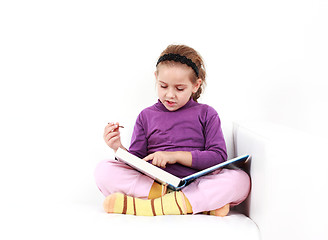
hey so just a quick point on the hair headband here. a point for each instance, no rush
(178, 58)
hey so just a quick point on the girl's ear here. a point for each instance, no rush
(197, 85)
(155, 74)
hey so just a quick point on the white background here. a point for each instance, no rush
(67, 68)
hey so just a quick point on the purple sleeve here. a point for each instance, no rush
(138, 146)
(215, 148)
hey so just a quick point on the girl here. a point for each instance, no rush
(179, 135)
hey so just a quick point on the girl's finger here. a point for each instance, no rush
(111, 129)
(162, 164)
(154, 161)
(112, 125)
(111, 135)
(109, 125)
(106, 132)
(113, 139)
(149, 157)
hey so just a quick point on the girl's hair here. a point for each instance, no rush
(195, 57)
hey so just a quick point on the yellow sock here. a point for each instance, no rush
(220, 212)
(173, 203)
(188, 205)
(157, 190)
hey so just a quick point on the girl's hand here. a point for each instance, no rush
(160, 158)
(112, 136)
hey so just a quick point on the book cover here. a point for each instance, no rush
(166, 178)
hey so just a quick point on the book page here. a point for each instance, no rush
(147, 168)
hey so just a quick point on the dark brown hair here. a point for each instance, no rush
(195, 57)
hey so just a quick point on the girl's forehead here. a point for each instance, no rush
(174, 80)
(175, 83)
(174, 73)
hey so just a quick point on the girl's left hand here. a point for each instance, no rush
(161, 158)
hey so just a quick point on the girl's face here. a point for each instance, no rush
(174, 87)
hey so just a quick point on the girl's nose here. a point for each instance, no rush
(170, 93)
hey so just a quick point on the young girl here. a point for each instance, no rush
(179, 135)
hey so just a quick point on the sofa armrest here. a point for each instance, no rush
(288, 180)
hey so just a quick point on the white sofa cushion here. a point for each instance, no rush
(96, 224)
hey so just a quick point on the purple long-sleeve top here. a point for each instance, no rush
(195, 128)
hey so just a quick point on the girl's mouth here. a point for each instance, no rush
(170, 103)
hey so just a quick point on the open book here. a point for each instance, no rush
(161, 176)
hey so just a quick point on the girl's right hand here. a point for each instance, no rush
(112, 136)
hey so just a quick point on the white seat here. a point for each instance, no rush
(234, 226)
(282, 204)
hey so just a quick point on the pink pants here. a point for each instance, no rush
(206, 193)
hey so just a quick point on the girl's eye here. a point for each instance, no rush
(162, 86)
(180, 89)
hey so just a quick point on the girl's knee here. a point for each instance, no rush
(243, 176)
(242, 179)
(113, 176)
(102, 168)
(109, 169)
(104, 174)
(242, 185)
